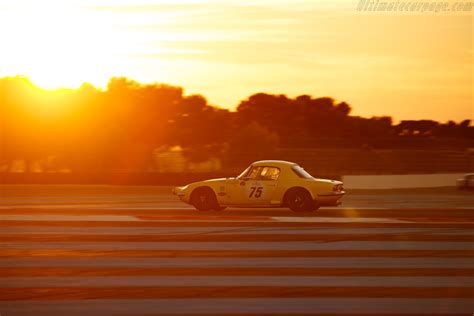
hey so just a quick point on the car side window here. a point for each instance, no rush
(269, 173)
(254, 173)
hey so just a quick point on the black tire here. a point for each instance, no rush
(299, 200)
(204, 199)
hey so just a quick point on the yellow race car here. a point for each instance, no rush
(267, 183)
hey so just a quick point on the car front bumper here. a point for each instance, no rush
(179, 192)
(330, 199)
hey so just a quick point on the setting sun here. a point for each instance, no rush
(63, 44)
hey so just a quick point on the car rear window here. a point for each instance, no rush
(300, 172)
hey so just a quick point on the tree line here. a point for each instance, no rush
(119, 127)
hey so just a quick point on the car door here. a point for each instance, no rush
(256, 188)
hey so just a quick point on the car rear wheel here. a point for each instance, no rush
(299, 200)
(204, 199)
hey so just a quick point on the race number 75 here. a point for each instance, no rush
(256, 192)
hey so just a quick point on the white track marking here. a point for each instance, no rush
(236, 246)
(203, 306)
(147, 231)
(337, 220)
(294, 281)
(242, 262)
(204, 219)
(69, 218)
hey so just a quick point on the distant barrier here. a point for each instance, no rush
(172, 179)
(145, 178)
(324, 163)
(401, 181)
(136, 178)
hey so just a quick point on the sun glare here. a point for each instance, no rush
(57, 44)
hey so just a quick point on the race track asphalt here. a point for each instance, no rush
(97, 250)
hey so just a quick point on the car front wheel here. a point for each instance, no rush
(204, 199)
(299, 200)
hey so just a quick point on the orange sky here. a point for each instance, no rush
(407, 65)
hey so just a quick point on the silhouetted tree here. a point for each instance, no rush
(253, 140)
(118, 128)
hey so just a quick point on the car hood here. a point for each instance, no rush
(328, 181)
(215, 180)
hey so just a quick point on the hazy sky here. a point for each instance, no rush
(407, 65)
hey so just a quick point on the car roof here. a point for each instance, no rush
(276, 163)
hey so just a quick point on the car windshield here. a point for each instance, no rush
(244, 173)
(300, 172)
